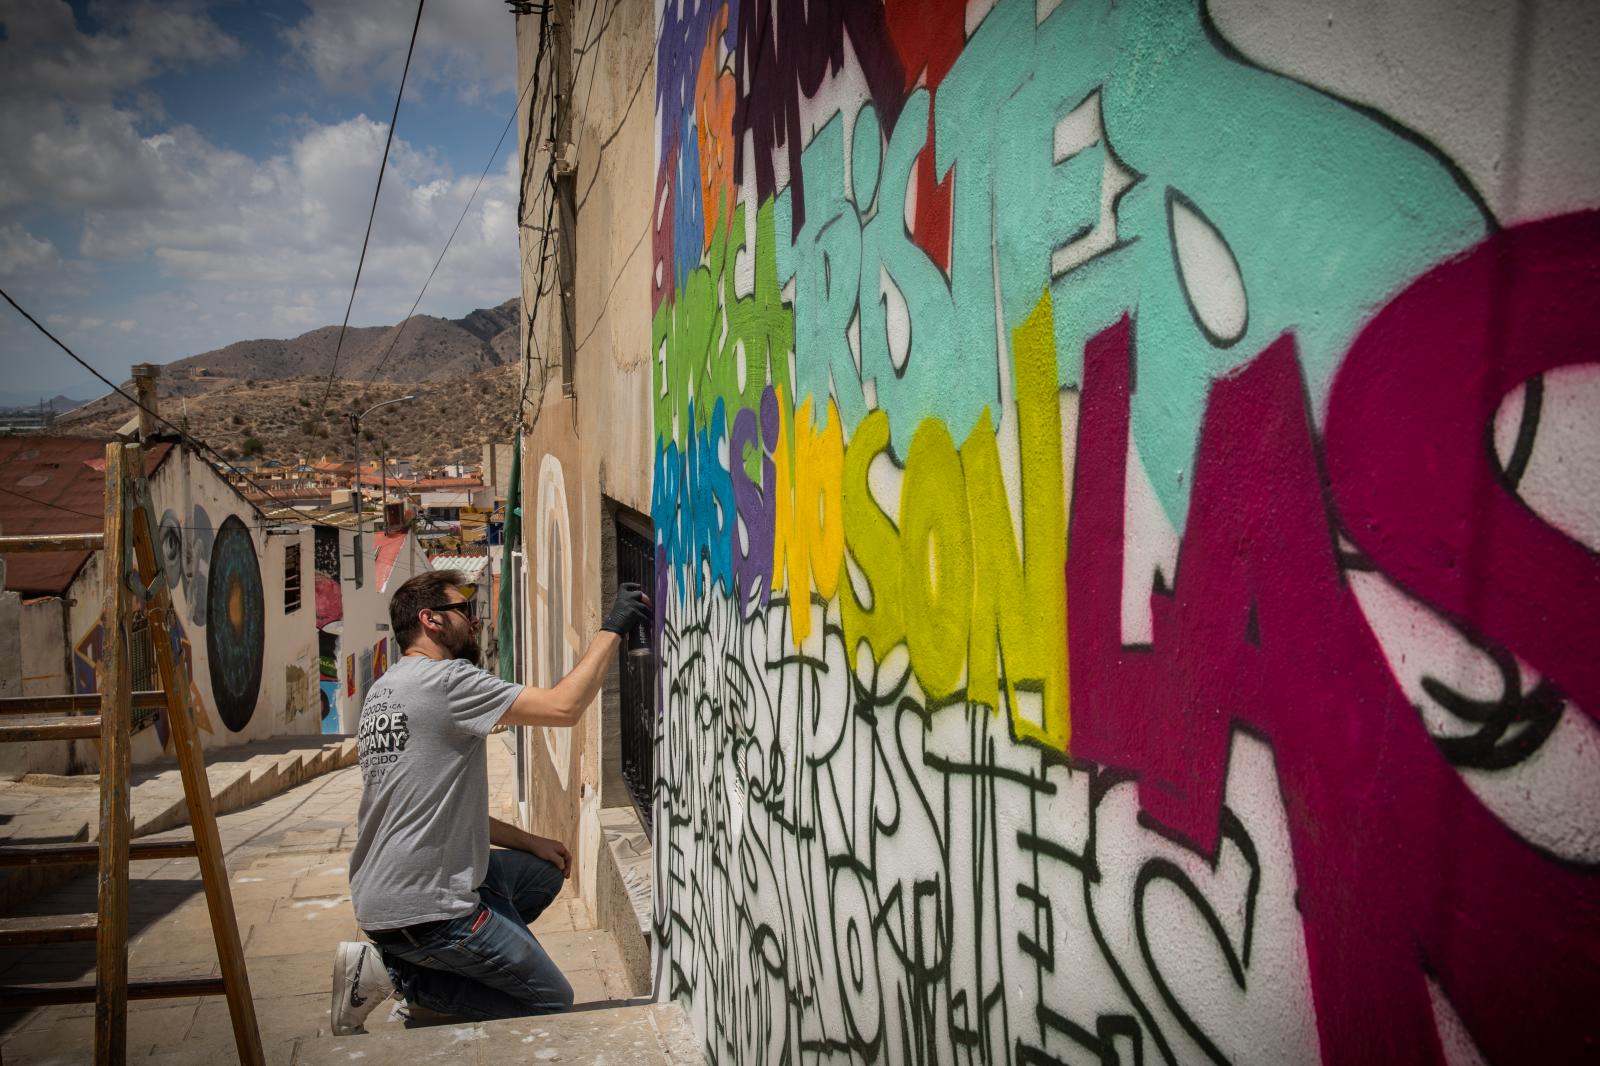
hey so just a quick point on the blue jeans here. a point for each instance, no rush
(485, 964)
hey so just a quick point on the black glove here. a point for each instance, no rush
(630, 608)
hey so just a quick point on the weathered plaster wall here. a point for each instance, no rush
(253, 665)
(42, 656)
(17, 761)
(589, 437)
(1127, 499)
(44, 665)
(560, 787)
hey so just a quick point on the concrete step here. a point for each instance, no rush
(67, 808)
(636, 1034)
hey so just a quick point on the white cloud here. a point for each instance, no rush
(46, 58)
(236, 247)
(21, 251)
(298, 218)
(73, 107)
(352, 45)
(278, 240)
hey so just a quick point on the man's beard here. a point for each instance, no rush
(467, 648)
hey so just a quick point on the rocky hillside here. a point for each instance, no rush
(446, 423)
(264, 396)
(424, 349)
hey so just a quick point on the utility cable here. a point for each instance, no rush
(182, 434)
(372, 213)
(515, 111)
(47, 503)
(522, 192)
(588, 54)
(539, 289)
(594, 73)
(84, 514)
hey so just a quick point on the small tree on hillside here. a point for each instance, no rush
(253, 446)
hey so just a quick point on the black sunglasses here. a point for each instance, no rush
(469, 606)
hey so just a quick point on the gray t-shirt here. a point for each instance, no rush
(422, 835)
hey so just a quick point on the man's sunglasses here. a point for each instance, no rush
(468, 606)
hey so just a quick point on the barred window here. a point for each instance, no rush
(145, 676)
(291, 578)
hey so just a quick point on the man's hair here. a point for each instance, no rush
(421, 593)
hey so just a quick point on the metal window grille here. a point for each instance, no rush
(142, 663)
(291, 578)
(637, 675)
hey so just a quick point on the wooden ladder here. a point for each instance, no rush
(132, 570)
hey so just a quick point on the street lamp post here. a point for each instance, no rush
(355, 431)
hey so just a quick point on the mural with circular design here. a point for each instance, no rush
(236, 611)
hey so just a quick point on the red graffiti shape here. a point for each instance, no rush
(929, 35)
(1402, 872)
(661, 280)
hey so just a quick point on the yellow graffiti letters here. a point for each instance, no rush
(951, 582)
(808, 523)
(1019, 606)
(874, 546)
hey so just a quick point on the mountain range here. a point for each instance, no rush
(422, 348)
(30, 401)
(267, 395)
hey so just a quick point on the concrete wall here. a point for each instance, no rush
(46, 667)
(11, 670)
(1128, 506)
(41, 657)
(588, 437)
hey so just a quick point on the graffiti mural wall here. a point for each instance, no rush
(1127, 524)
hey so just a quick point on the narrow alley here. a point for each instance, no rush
(287, 866)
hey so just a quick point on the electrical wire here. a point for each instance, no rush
(486, 168)
(529, 319)
(46, 503)
(588, 52)
(100, 518)
(182, 434)
(594, 74)
(372, 213)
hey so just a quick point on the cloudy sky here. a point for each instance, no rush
(181, 174)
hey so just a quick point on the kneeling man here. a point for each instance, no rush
(449, 915)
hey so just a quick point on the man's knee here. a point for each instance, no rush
(549, 874)
(560, 994)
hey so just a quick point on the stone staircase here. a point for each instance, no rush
(52, 807)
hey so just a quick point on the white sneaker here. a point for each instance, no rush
(360, 983)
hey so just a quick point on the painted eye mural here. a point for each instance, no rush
(236, 611)
(171, 545)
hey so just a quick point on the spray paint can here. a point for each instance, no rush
(639, 641)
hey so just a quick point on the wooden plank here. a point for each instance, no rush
(197, 793)
(53, 542)
(86, 727)
(69, 704)
(47, 929)
(87, 854)
(116, 684)
(25, 997)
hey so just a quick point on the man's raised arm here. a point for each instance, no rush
(563, 703)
